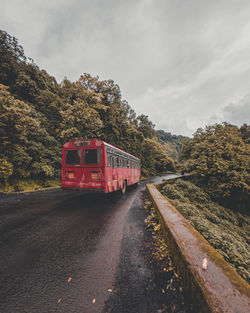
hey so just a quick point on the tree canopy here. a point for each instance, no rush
(219, 158)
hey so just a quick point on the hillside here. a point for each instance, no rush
(171, 142)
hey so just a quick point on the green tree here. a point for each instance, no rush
(6, 170)
(80, 121)
(155, 158)
(11, 54)
(146, 126)
(21, 137)
(219, 159)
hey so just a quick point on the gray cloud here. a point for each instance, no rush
(180, 62)
(237, 113)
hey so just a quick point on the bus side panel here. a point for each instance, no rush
(115, 178)
(120, 178)
(127, 175)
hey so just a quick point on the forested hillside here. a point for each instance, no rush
(38, 115)
(219, 158)
(171, 142)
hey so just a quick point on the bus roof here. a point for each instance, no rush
(94, 142)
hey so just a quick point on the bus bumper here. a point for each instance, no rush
(84, 189)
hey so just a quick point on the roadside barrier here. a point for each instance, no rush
(211, 285)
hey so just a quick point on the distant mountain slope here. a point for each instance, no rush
(171, 142)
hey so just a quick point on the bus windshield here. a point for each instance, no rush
(73, 157)
(92, 156)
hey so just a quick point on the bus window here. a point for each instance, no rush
(113, 161)
(73, 157)
(109, 161)
(92, 156)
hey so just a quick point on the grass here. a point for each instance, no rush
(26, 185)
(227, 231)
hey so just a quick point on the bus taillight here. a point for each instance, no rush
(69, 175)
(95, 175)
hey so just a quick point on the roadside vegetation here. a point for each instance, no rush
(227, 231)
(218, 157)
(26, 185)
(38, 115)
(215, 200)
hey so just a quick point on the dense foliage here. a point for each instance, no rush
(38, 115)
(219, 158)
(226, 231)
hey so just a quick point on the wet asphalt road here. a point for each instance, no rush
(64, 252)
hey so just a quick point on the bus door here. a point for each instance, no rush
(114, 173)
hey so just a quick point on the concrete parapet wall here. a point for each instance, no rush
(210, 283)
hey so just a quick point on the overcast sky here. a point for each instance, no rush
(184, 63)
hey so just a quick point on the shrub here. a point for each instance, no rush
(6, 170)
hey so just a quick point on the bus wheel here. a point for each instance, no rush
(124, 187)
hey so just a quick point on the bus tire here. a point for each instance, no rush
(124, 187)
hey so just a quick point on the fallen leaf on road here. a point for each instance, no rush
(109, 290)
(204, 264)
(69, 279)
(93, 301)
(60, 300)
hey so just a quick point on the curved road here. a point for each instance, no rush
(60, 251)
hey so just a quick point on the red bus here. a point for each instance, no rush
(92, 165)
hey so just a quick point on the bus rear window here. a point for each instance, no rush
(73, 157)
(92, 156)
